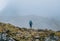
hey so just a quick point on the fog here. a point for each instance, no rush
(14, 9)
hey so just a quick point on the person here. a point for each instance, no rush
(30, 23)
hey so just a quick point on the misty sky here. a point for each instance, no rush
(12, 10)
(45, 8)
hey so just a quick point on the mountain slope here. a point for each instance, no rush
(38, 22)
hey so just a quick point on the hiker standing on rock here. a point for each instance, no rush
(30, 24)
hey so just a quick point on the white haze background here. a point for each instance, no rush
(43, 13)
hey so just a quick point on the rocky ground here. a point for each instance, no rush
(15, 33)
